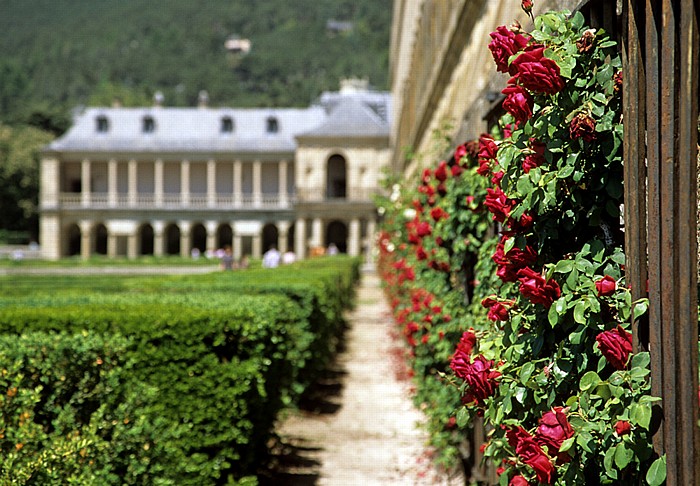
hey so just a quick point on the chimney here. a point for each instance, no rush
(158, 99)
(203, 100)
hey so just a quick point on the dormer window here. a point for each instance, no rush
(102, 124)
(226, 124)
(149, 124)
(272, 125)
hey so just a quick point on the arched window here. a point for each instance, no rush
(336, 181)
(272, 125)
(226, 124)
(102, 124)
(149, 124)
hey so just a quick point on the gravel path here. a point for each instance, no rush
(363, 429)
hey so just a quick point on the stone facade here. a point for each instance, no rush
(140, 181)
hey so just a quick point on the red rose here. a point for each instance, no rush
(420, 253)
(487, 152)
(623, 427)
(466, 343)
(456, 170)
(498, 204)
(536, 156)
(616, 346)
(423, 229)
(536, 72)
(582, 126)
(527, 5)
(531, 454)
(606, 286)
(554, 429)
(518, 480)
(518, 226)
(460, 152)
(518, 103)
(441, 171)
(534, 287)
(505, 43)
(497, 310)
(438, 213)
(479, 376)
(427, 175)
(516, 259)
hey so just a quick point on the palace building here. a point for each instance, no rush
(164, 181)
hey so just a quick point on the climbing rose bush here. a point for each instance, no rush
(516, 240)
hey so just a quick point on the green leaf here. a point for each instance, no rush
(564, 266)
(640, 308)
(580, 311)
(623, 455)
(656, 474)
(462, 417)
(589, 380)
(585, 440)
(553, 316)
(567, 444)
(510, 242)
(640, 414)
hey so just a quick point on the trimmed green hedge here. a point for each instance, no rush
(207, 363)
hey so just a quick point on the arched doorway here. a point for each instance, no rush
(146, 239)
(199, 237)
(101, 239)
(172, 239)
(269, 236)
(337, 233)
(336, 179)
(290, 237)
(224, 236)
(73, 238)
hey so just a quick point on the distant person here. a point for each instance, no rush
(332, 249)
(195, 253)
(244, 263)
(227, 259)
(288, 257)
(271, 258)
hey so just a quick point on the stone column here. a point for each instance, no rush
(211, 227)
(317, 232)
(211, 184)
(257, 246)
(85, 186)
(237, 182)
(158, 242)
(369, 239)
(50, 236)
(282, 232)
(112, 182)
(300, 238)
(111, 243)
(283, 165)
(257, 183)
(158, 182)
(132, 246)
(237, 244)
(185, 183)
(133, 178)
(185, 239)
(85, 238)
(354, 237)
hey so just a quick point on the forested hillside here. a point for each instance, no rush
(61, 53)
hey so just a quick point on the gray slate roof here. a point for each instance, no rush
(195, 130)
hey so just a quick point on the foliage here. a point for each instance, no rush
(210, 361)
(541, 310)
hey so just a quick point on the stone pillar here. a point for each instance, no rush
(85, 238)
(317, 232)
(132, 245)
(133, 178)
(158, 182)
(158, 242)
(300, 238)
(185, 239)
(354, 237)
(237, 244)
(211, 184)
(237, 182)
(369, 240)
(282, 232)
(283, 165)
(50, 236)
(257, 183)
(185, 183)
(111, 243)
(85, 186)
(257, 246)
(112, 183)
(211, 227)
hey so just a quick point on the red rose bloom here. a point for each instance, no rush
(534, 287)
(582, 126)
(505, 43)
(526, 5)
(487, 152)
(456, 170)
(441, 171)
(536, 157)
(616, 346)
(497, 310)
(423, 229)
(516, 259)
(466, 343)
(554, 429)
(518, 103)
(536, 72)
(606, 286)
(438, 213)
(479, 376)
(460, 152)
(420, 253)
(498, 204)
(531, 454)
(518, 480)
(623, 427)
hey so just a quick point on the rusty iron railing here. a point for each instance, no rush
(660, 55)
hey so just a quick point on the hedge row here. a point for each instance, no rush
(175, 381)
